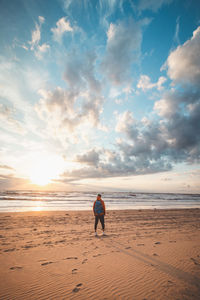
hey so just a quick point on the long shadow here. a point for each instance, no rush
(156, 263)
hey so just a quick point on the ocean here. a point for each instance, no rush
(21, 201)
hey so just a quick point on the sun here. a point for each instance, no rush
(40, 176)
(44, 169)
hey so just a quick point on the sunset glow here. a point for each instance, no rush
(44, 169)
(100, 93)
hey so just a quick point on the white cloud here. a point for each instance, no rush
(184, 62)
(9, 122)
(36, 35)
(145, 83)
(62, 26)
(124, 121)
(165, 107)
(176, 35)
(38, 50)
(63, 118)
(153, 5)
(41, 19)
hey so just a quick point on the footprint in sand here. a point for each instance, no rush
(128, 248)
(71, 257)
(157, 243)
(84, 261)
(77, 288)
(155, 254)
(46, 263)
(74, 271)
(97, 255)
(9, 250)
(16, 268)
(140, 244)
(195, 261)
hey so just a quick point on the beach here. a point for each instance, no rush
(145, 254)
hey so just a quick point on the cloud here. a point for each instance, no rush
(39, 50)
(113, 164)
(6, 167)
(122, 50)
(90, 158)
(147, 147)
(12, 182)
(62, 26)
(153, 5)
(80, 70)
(41, 19)
(9, 121)
(65, 116)
(36, 35)
(184, 62)
(176, 35)
(145, 83)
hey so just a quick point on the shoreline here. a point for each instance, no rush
(146, 254)
(107, 210)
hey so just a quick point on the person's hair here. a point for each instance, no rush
(99, 195)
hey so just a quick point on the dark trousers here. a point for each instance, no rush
(97, 218)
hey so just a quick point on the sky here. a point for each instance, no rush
(100, 95)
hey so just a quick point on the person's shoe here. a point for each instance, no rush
(103, 233)
(95, 234)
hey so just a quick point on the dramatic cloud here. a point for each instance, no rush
(184, 62)
(122, 50)
(62, 26)
(145, 83)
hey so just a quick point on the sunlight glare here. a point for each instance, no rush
(44, 169)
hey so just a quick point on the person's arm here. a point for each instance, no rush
(94, 206)
(104, 208)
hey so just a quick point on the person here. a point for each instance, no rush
(99, 212)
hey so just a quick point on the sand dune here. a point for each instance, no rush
(147, 254)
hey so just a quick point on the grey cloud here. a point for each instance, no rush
(79, 72)
(90, 158)
(107, 164)
(146, 149)
(10, 181)
(123, 49)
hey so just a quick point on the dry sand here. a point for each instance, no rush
(147, 254)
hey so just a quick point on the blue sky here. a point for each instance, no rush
(100, 95)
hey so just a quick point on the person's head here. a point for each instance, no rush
(98, 196)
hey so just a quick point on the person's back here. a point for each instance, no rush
(98, 207)
(99, 212)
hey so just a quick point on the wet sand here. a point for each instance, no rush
(145, 254)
